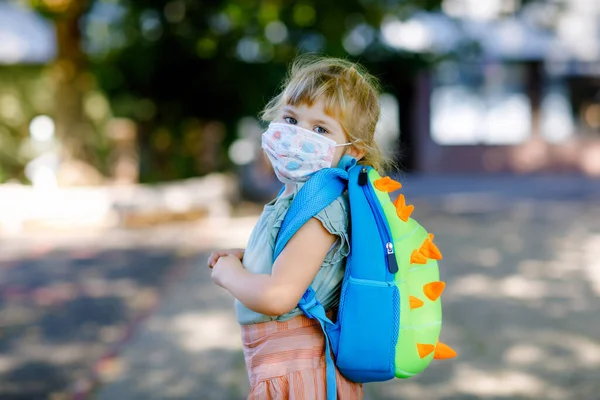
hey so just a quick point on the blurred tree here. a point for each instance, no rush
(176, 65)
(187, 70)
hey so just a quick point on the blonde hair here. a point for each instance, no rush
(350, 94)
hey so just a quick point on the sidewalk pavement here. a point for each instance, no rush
(70, 301)
(521, 305)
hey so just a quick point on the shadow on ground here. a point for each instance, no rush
(61, 310)
(190, 348)
(521, 308)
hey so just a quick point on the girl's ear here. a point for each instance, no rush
(357, 152)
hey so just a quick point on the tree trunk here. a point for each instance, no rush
(74, 131)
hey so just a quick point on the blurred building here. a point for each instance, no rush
(518, 90)
(527, 100)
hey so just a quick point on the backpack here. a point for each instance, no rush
(390, 314)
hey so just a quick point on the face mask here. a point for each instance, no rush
(297, 153)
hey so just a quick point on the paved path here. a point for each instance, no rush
(69, 302)
(522, 304)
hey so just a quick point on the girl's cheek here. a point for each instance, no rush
(337, 156)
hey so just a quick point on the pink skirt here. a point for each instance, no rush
(286, 360)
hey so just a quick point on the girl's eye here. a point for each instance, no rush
(290, 120)
(320, 130)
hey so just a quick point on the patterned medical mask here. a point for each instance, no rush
(297, 153)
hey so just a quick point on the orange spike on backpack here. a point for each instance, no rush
(387, 184)
(433, 290)
(443, 352)
(415, 302)
(402, 210)
(417, 258)
(430, 250)
(425, 349)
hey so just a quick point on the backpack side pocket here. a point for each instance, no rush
(369, 321)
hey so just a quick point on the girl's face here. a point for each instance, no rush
(314, 118)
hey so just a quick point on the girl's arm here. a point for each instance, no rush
(292, 274)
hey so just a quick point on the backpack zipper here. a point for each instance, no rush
(384, 232)
(369, 282)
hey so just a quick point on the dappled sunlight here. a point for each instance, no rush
(522, 354)
(478, 285)
(558, 350)
(7, 363)
(410, 390)
(516, 286)
(203, 331)
(535, 268)
(63, 310)
(520, 307)
(486, 383)
(488, 257)
(57, 354)
(473, 381)
(591, 261)
(190, 345)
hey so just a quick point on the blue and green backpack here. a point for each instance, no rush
(390, 312)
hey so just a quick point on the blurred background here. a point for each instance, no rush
(130, 149)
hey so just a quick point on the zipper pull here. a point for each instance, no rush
(391, 258)
(363, 177)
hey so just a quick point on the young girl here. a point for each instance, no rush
(327, 109)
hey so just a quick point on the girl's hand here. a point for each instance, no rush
(296, 267)
(214, 256)
(225, 267)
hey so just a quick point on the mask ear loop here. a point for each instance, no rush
(346, 144)
(345, 152)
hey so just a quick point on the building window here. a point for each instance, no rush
(557, 122)
(387, 131)
(475, 104)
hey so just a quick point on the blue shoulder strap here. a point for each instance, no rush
(317, 193)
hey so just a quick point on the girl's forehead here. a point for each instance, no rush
(318, 106)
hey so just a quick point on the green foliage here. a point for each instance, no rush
(177, 66)
(23, 95)
(166, 63)
(27, 91)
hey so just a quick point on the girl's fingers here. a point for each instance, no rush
(212, 260)
(239, 253)
(215, 255)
